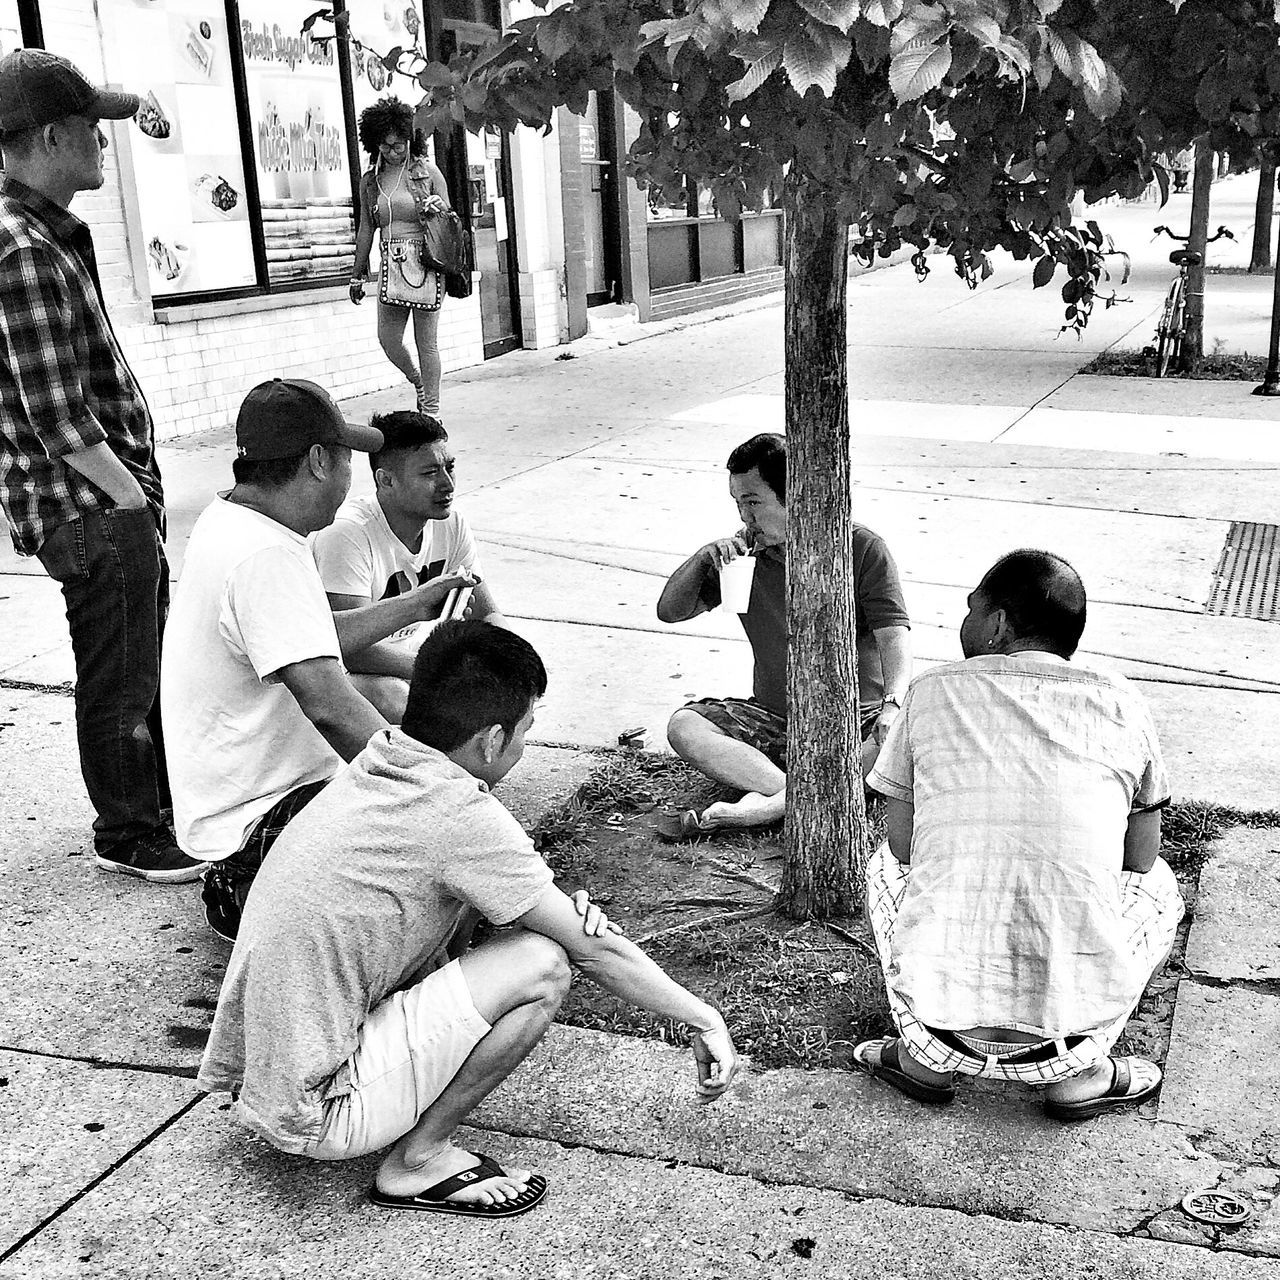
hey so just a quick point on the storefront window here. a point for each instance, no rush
(299, 137)
(379, 29)
(10, 27)
(186, 146)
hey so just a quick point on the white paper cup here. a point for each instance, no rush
(735, 583)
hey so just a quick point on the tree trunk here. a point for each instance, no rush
(1201, 187)
(1260, 258)
(826, 826)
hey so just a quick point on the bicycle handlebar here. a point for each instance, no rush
(1173, 235)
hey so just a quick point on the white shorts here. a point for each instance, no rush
(411, 1046)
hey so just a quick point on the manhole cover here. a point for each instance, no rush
(1246, 583)
(1220, 1208)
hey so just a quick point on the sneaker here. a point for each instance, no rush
(221, 909)
(152, 857)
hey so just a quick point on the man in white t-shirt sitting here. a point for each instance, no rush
(408, 533)
(354, 1015)
(257, 710)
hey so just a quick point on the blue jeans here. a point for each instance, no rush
(115, 581)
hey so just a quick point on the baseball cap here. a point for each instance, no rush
(38, 87)
(283, 418)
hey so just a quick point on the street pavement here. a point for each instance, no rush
(588, 473)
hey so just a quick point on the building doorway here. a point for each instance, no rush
(489, 187)
(598, 150)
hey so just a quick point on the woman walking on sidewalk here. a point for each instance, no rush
(398, 191)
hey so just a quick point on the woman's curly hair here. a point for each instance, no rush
(390, 116)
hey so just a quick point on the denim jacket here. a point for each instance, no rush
(423, 178)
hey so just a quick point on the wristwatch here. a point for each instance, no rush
(890, 702)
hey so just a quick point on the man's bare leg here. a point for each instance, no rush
(517, 982)
(737, 764)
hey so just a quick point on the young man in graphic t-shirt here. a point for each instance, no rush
(407, 534)
(258, 711)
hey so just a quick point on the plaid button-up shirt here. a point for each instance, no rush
(64, 382)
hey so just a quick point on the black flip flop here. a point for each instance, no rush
(889, 1069)
(433, 1199)
(1116, 1097)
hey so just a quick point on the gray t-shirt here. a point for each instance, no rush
(358, 898)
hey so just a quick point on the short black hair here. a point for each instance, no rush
(21, 142)
(1041, 595)
(767, 454)
(270, 473)
(467, 676)
(403, 430)
(385, 117)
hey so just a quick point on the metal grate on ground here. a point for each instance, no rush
(1246, 583)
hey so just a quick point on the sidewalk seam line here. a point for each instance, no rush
(96, 1182)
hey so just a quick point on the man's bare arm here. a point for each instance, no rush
(330, 701)
(900, 819)
(1142, 841)
(363, 623)
(620, 967)
(101, 467)
(681, 598)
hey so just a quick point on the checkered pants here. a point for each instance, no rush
(1151, 908)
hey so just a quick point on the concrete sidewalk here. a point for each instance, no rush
(587, 480)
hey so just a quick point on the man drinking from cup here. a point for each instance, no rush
(742, 742)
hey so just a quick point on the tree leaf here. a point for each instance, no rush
(807, 64)
(841, 14)
(1059, 52)
(746, 15)
(882, 13)
(556, 34)
(1043, 272)
(918, 69)
(757, 73)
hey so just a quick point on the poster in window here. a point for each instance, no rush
(10, 27)
(299, 143)
(379, 28)
(185, 140)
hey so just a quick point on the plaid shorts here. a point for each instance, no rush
(1150, 907)
(227, 883)
(746, 720)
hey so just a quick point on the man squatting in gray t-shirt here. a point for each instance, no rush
(353, 1014)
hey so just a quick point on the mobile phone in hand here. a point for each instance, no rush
(455, 603)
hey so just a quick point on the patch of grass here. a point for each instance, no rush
(1142, 364)
(795, 994)
(1188, 829)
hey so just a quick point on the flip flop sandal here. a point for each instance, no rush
(433, 1199)
(677, 827)
(1117, 1097)
(889, 1069)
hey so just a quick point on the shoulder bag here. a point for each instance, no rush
(408, 280)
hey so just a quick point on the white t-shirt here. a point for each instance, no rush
(359, 555)
(249, 602)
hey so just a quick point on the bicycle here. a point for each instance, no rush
(1173, 320)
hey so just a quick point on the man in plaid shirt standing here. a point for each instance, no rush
(78, 476)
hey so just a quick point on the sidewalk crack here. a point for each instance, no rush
(49, 1219)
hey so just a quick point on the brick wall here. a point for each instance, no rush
(196, 372)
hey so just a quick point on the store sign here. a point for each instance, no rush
(299, 142)
(186, 145)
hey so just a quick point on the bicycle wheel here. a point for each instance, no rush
(1169, 332)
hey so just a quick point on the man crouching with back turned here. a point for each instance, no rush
(395, 1029)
